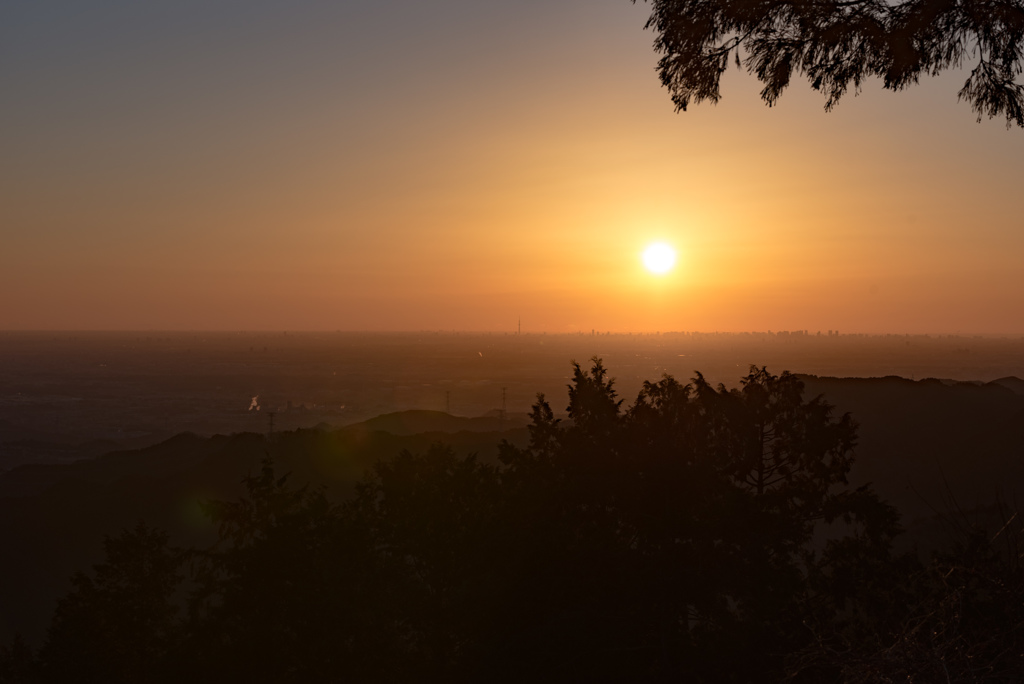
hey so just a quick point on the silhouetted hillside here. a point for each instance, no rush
(52, 516)
(1012, 383)
(923, 443)
(416, 422)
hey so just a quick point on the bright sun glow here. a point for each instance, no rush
(659, 258)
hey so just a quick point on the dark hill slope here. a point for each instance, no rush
(923, 442)
(1012, 383)
(53, 517)
(418, 422)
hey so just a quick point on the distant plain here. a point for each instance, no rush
(66, 395)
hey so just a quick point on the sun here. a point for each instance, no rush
(659, 258)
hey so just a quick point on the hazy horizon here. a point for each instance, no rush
(502, 331)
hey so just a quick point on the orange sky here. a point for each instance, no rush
(272, 165)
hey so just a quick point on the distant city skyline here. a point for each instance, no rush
(458, 165)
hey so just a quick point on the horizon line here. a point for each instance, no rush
(804, 332)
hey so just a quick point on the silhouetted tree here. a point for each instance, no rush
(680, 536)
(432, 519)
(17, 663)
(960, 620)
(118, 625)
(288, 592)
(838, 44)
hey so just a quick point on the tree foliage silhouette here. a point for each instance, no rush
(119, 624)
(838, 44)
(699, 505)
(961, 619)
(17, 663)
(288, 592)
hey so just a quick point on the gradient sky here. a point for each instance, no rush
(457, 164)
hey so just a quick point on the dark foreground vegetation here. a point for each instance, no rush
(700, 535)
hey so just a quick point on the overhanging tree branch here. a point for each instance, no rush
(837, 45)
